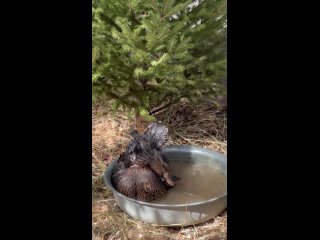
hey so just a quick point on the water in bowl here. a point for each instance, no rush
(198, 182)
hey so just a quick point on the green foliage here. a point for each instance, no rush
(147, 52)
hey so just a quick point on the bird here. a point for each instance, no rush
(142, 171)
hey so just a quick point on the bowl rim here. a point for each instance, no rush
(109, 184)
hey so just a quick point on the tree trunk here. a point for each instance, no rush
(141, 123)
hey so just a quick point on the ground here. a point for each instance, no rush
(202, 125)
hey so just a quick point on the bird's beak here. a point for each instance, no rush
(168, 179)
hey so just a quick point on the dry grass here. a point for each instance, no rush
(203, 125)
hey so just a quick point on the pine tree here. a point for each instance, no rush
(152, 52)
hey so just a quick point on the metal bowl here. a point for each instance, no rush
(177, 214)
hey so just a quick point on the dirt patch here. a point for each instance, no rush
(203, 125)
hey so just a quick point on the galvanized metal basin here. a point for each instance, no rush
(177, 214)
